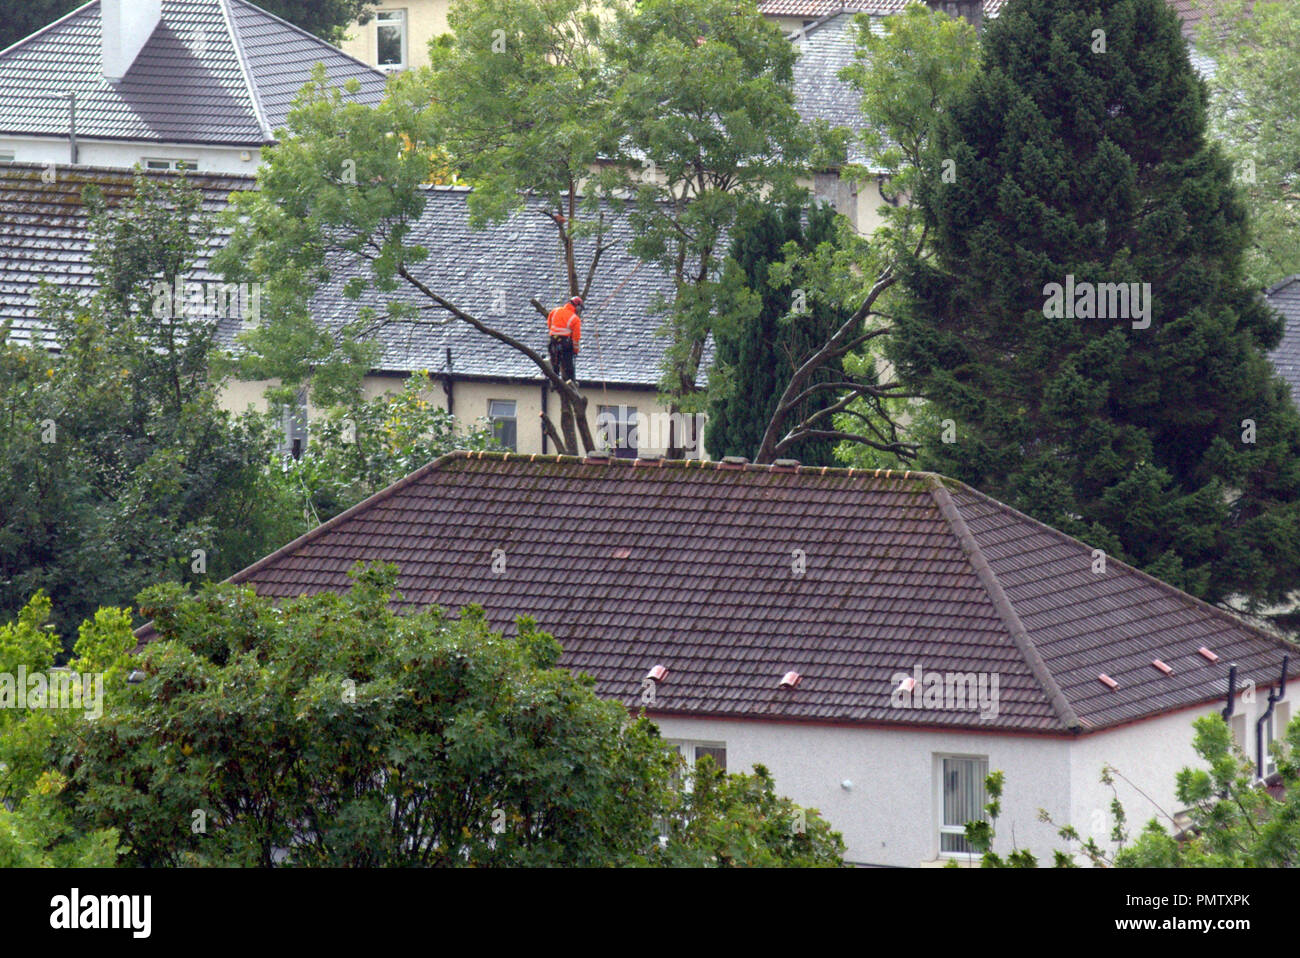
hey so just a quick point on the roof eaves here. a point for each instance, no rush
(255, 97)
(47, 28)
(1282, 284)
(1002, 604)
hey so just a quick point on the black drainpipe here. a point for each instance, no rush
(1273, 696)
(546, 390)
(447, 386)
(1232, 692)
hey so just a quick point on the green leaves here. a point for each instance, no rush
(1129, 428)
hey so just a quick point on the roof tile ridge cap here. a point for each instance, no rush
(50, 26)
(236, 41)
(307, 33)
(1002, 604)
(1185, 597)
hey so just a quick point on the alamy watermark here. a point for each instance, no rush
(947, 691)
(59, 689)
(187, 299)
(620, 428)
(1098, 301)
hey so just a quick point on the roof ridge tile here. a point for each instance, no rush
(1003, 606)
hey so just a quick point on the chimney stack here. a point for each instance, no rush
(970, 10)
(125, 27)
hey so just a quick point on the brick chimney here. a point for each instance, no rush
(125, 27)
(970, 10)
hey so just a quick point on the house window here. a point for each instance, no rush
(616, 426)
(692, 752)
(390, 39)
(961, 800)
(293, 422)
(159, 163)
(1237, 726)
(502, 414)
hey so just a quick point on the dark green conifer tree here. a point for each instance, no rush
(761, 353)
(1079, 156)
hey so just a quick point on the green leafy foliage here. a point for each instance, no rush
(332, 731)
(738, 821)
(1173, 445)
(37, 829)
(1230, 820)
(704, 111)
(117, 461)
(356, 451)
(1254, 86)
(755, 356)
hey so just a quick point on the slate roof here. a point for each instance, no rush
(43, 233)
(825, 48)
(1285, 298)
(214, 72)
(492, 273)
(689, 565)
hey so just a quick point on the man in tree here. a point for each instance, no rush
(1077, 158)
(565, 326)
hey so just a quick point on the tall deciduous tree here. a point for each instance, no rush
(118, 467)
(1255, 86)
(705, 111)
(1143, 418)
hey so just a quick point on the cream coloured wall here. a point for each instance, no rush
(470, 400)
(425, 19)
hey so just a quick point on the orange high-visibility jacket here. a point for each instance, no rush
(565, 321)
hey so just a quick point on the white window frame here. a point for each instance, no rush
(1275, 728)
(626, 421)
(492, 419)
(687, 748)
(401, 20)
(171, 164)
(940, 828)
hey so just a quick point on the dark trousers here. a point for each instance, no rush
(561, 354)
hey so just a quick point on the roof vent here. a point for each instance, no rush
(785, 465)
(596, 459)
(646, 460)
(621, 553)
(657, 674)
(790, 680)
(1209, 656)
(733, 462)
(1162, 667)
(1107, 681)
(907, 684)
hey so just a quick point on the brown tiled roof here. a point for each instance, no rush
(689, 565)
